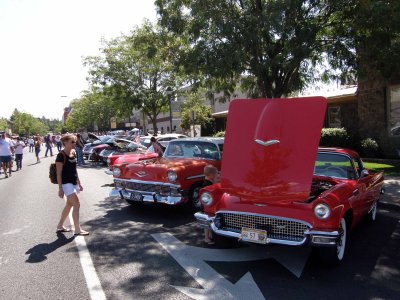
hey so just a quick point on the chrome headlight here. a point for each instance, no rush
(322, 211)
(172, 176)
(207, 198)
(117, 172)
(108, 161)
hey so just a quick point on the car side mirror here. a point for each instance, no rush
(364, 173)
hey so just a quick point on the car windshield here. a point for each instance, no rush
(145, 142)
(134, 147)
(334, 165)
(192, 149)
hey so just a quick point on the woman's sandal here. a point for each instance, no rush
(59, 230)
(82, 232)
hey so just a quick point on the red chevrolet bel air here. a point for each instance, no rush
(280, 188)
(173, 179)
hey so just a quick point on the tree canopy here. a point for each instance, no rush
(194, 110)
(276, 47)
(92, 108)
(137, 70)
(25, 124)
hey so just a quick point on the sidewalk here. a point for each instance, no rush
(391, 199)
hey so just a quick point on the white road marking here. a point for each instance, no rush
(92, 280)
(215, 286)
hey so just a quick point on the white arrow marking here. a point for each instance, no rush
(215, 286)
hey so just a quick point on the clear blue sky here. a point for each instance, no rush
(43, 42)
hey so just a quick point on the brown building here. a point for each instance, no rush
(371, 110)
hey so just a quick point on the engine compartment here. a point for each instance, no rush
(319, 185)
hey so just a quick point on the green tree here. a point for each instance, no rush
(275, 45)
(93, 107)
(25, 124)
(371, 31)
(3, 124)
(136, 70)
(194, 110)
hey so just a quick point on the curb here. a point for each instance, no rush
(389, 206)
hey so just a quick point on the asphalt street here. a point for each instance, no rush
(156, 252)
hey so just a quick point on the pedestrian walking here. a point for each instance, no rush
(6, 152)
(31, 144)
(19, 151)
(38, 145)
(58, 142)
(69, 184)
(79, 150)
(49, 145)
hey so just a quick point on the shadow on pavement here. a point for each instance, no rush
(121, 238)
(392, 191)
(39, 252)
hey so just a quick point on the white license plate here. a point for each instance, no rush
(136, 197)
(254, 235)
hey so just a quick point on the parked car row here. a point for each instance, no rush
(277, 186)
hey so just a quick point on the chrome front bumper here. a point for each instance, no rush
(315, 238)
(152, 194)
(147, 197)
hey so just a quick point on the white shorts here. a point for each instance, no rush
(70, 188)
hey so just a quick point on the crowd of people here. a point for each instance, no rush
(12, 149)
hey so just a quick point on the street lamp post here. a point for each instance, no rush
(169, 92)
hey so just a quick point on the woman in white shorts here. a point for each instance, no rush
(69, 184)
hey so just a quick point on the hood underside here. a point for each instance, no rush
(270, 150)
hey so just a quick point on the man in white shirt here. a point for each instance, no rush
(31, 143)
(19, 151)
(6, 151)
(58, 142)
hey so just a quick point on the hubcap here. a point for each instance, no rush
(373, 211)
(195, 198)
(341, 244)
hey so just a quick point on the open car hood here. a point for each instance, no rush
(93, 136)
(270, 148)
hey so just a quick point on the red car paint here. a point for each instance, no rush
(268, 185)
(150, 180)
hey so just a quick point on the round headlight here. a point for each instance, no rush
(206, 198)
(116, 172)
(172, 176)
(322, 211)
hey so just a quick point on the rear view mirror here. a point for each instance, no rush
(364, 173)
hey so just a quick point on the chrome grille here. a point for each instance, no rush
(279, 229)
(147, 187)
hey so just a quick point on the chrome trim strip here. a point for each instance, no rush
(267, 143)
(147, 182)
(323, 233)
(195, 176)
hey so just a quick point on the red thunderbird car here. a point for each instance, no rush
(280, 188)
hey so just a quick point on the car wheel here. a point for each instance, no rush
(372, 213)
(334, 255)
(194, 203)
